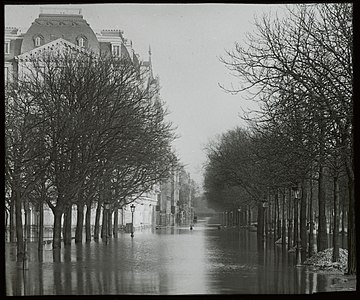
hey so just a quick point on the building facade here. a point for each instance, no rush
(168, 201)
(55, 27)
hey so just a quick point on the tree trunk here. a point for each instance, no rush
(243, 220)
(336, 246)
(97, 221)
(116, 221)
(57, 228)
(19, 227)
(88, 221)
(26, 233)
(351, 229)
(322, 231)
(249, 217)
(64, 233)
(41, 231)
(296, 221)
(343, 218)
(266, 220)
(290, 225)
(67, 226)
(303, 235)
(275, 218)
(103, 224)
(278, 216)
(27, 218)
(311, 222)
(260, 221)
(270, 218)
(283, 231)
(12, 218)
(246, 217)
(79, 223)
(109, 225)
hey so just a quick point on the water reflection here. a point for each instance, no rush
(166, 261)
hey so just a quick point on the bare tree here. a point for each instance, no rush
(303, 63)
(96, 118)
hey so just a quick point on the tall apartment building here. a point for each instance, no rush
(168, 201)
(55, 28)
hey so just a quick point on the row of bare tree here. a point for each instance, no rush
(81, 130)
(299, 69)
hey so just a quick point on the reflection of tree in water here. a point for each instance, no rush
(210, 261)
(57, 268)
(88, 271)
(40, 279)
(276, 269)
(260, 262)
(67, 272)
(322, 282)
(80, 269)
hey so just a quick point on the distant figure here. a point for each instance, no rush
(191, 227)
(219, 227)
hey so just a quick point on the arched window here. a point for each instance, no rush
(37, 41)
(116, 50)
(81, 41)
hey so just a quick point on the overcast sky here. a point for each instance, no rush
(186, 42)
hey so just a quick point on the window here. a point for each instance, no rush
(6, 73)
(7, 47)
(81, 42)
(116, 50)
(37, 41)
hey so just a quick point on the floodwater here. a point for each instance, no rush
(167, 261)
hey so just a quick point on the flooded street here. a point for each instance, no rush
(177, 260)
(126, 124)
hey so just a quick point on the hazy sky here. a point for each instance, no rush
(186, 42)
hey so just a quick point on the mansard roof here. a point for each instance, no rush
(54, 45)
(54, 26)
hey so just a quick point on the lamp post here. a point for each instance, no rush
(239, 219)
(132, 208)
(298, 241)
(106, 208)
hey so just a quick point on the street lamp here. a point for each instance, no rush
(106, 208)
(132, 208)
(298, 241)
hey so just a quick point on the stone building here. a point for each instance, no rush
(186, 195)
(56, 27)
(168, 201)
